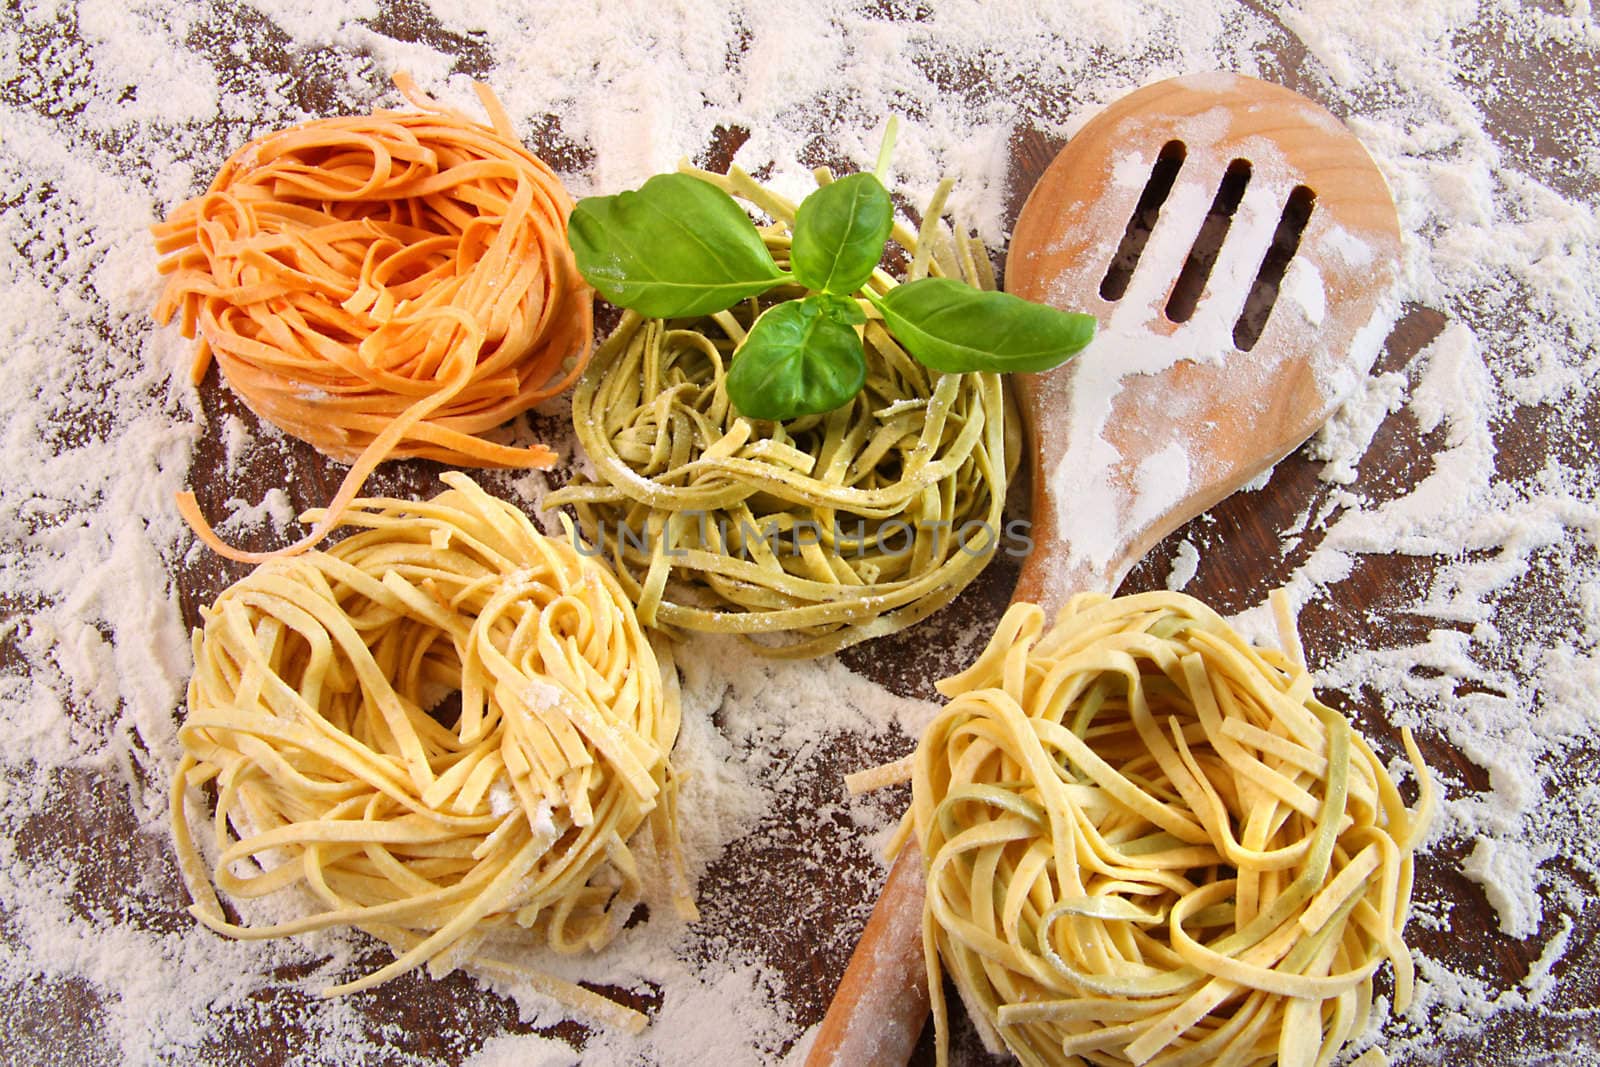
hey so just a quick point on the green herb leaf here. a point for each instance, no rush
(955, 328)
(841, 309)
(678, 246)
(797, 360)
(839, 233)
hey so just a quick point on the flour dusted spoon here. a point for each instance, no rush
(1240, 250)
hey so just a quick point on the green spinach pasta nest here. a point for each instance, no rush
(820, 531)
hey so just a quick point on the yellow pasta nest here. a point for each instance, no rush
(1148, 842)
(828, 529)
(444, 727)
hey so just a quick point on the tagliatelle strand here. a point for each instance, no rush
(381, 286)
(1067, 898)
(317, 709)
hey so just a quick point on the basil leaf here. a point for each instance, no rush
(839, 233)
(844, 310)
(678, 246)
(952, 327)
(796, 360)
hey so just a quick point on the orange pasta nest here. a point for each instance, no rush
(384, 285)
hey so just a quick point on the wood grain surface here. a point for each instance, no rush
(753, 895)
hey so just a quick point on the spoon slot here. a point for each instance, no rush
(1163, 173)
(1264, 292)
(1208, 242)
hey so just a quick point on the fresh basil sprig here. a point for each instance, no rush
(680, 246)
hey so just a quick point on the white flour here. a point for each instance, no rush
(112, 112)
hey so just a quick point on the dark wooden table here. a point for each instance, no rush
(794, 892)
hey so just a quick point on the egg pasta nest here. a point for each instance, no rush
(827, 529)
(445, 727)
(1147, 842)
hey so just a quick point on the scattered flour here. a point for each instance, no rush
(1509, 873)
(1185, 565)
(274, 509)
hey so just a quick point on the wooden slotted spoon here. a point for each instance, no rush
(1206, 370)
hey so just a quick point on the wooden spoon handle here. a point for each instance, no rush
(878, 1012)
